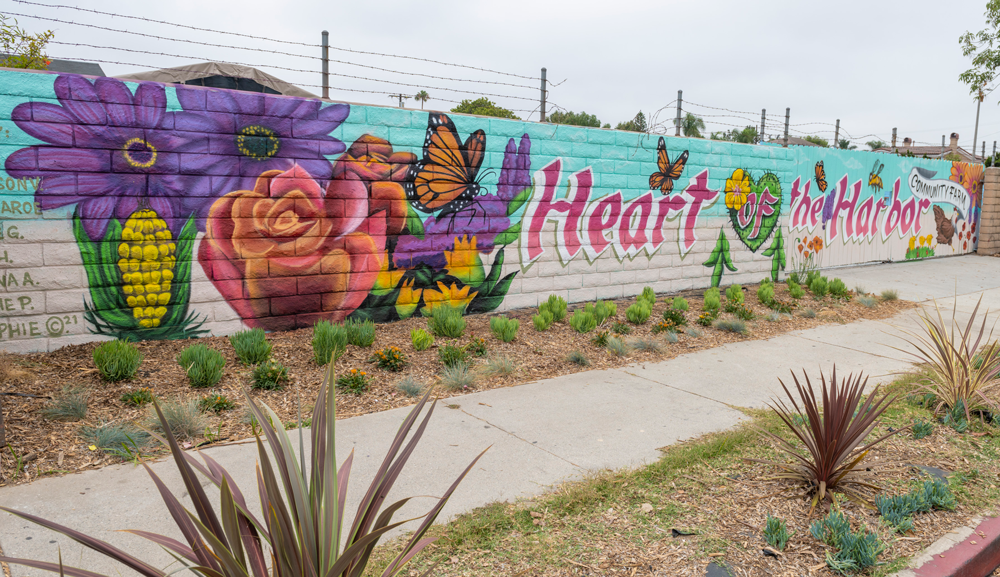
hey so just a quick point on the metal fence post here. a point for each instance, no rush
(326, 64)
(680, 104)
(543, 96)
(788, 112)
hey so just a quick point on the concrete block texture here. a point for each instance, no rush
(274, 211)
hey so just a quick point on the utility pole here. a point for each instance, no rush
(400, 97)
(836, 135)
(894, 140)
(984, 151)
(975, 135)
(326, 64)
(994, 148)
(788, 113)
(680, 104)
(763, 117)
(543, 96)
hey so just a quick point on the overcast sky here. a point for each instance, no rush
(874, 65)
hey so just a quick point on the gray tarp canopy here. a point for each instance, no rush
(182, 74)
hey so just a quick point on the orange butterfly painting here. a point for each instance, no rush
(446, 179)
(668, 171)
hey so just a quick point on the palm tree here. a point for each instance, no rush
(422, 97)
(692, 125)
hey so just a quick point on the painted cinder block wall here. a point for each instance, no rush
(153, 211)
(989, 243)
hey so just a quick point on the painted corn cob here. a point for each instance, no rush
(147, 261)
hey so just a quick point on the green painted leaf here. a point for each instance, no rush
(508, 236)
(519, 200)
(414, 225)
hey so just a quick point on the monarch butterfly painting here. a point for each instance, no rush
(820, 176)
(446, 179)
(874, 180)
(668, 171)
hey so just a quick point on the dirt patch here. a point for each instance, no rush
(56, 448)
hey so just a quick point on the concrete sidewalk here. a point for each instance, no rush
(541, 433)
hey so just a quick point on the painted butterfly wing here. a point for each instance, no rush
(446, 176)
(820, 176)
(668, 171)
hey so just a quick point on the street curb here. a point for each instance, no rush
(963, 552)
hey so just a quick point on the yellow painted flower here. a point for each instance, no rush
(408, 299)
(737, 188)
(451, 296)
(913, 242)
(387, 279)
(464, 262)
(930, 238)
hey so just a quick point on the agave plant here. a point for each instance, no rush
(832, 435)
(302, 532)
(952, 354)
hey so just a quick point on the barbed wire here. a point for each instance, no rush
(428, 60)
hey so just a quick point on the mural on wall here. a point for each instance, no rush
(192, 209)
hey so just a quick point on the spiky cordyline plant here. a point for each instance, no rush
(303, 527)
(952, 354)
(831, 434)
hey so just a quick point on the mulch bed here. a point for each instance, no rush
(43, 447)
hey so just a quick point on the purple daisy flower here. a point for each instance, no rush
(484, 219)
(105, 150)
(249, 134)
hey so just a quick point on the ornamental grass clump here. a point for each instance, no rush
(671, 337)
(203, 365)
(505, 328)
(68, 405)
(582, 321)
(329, 342)
(578, 358)
(409, 386)
(832, 434)
(649, 345)
(251, 346)
(120, 440)
(182, 419)
(269, 376)
(458, 377)
(867, 301)
(638, 313)
(421, 339)
(231, 540)
(360, 333)
(117, 360)
(889, 295)
(731, 325)
(953, 353)
(451, 355)
(617, 347)
(499, 365)
(446, 322)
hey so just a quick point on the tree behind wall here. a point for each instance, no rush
(692, 125)
(746, 136)
(818, 141)
(845, 144)
(574, 118)
(637, 124)
(19, 49)
(484, 107)
(984, 48)
(875, 144)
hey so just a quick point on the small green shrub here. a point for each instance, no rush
(556, 305)
(855, 551)
(119, 440)
(389, 358)
(138, 397)
(706, 318)
(68, 405)
(620, 328)
(712, 300)
(734, 294)
(617, 347)
(582, 322)
(360, 333)
(542, 321)
(600, 339)
(649, 345)
(837, 288)
(446, 322)
(922, 429)
(693, 332)
(664, 327)
(867, 301)
(409, 386)
(117, 360)
(215, 403)
(329, 342)
(955, 417)
(889, 295)
(450, 355)
(184, 419)
(476, 347)
(354, 381)
(765, 293)
(422, 340)
(499, 365)
(578, 358)
(269, 375)
(505, 328)
(251, 346)
(776, 533)
(743, 312)
(638, 313)
(733, 326)
(794, 278)
(681, 303)
(675, 316)
(458, 377)
(898, 510)
(203, 365)
(603, 310)
(795, 291)
(648, 295)
(807, 313)
(819, 287)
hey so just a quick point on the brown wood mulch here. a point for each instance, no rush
(40, 447)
